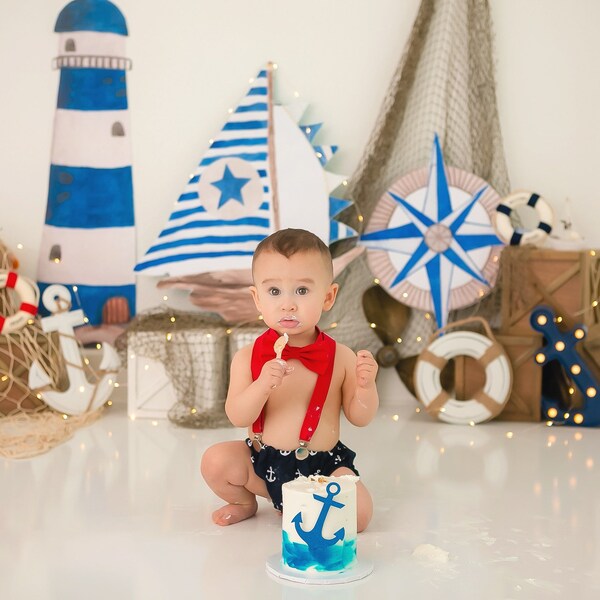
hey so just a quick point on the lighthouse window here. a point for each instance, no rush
(55, 253)
(70, 45)
(62, 197)
(107, 81)
(117, 129)
(65, 178)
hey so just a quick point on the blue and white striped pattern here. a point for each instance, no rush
(92, 89)
(88, 238)
(197, 240)
(337, 205)
(340, 231)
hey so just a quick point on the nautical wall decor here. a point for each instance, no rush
(262, 172)
(21, 338)
(486, 402)
(561, 346)
(567, 281)
(29, 296)
(88, 240)
(430, 239)
(82, 395)
(507, 219)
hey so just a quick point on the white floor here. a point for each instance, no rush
(120, 512)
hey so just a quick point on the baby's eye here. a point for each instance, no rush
(274, 291)
(302, 291)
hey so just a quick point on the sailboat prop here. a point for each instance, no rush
(260, 174)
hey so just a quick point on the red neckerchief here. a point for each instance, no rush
(318, 357)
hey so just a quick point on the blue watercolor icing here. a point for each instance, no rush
(330, 558)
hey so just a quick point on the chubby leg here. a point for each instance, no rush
(364, 503)
(227, 470)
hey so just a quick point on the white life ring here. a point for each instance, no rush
(487, 402)
(29, 295)
(504, 224)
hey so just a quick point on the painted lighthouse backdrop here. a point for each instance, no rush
(88, 240)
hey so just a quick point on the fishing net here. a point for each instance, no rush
(27, 426)
(26, 435)
(195, 350)
(444, 84)
(18, 349)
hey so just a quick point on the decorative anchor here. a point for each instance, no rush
(81, 396)
(561, 346)
(314, 538)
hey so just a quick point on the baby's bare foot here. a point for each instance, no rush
(234, 513)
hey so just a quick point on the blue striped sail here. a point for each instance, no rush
(228, 204)
(225, 209)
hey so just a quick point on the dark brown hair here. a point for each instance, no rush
(288, 242)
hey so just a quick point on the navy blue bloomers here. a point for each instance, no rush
(276, 467)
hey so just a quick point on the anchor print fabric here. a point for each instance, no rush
(277, 467)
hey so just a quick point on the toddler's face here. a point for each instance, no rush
(291, 293)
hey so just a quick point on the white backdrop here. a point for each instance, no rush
(192, 60)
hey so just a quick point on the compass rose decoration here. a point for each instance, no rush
(430, 241)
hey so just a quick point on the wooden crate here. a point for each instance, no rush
(524, 403)
(568, 281)
(152, 389)
(591, 348)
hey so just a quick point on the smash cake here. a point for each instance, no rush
(319, 531)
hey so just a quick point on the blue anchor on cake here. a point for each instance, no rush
(314, 537)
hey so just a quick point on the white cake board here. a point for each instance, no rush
(359, 570)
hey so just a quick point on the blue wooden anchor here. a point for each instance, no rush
(561, 346)
(314, 538)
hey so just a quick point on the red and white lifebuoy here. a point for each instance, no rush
(29, 295)
(504, 222)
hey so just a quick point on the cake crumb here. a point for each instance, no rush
(431, 553)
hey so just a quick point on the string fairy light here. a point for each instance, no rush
(561, 346)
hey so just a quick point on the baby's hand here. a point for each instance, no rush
(366, 369)
(273, 372)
